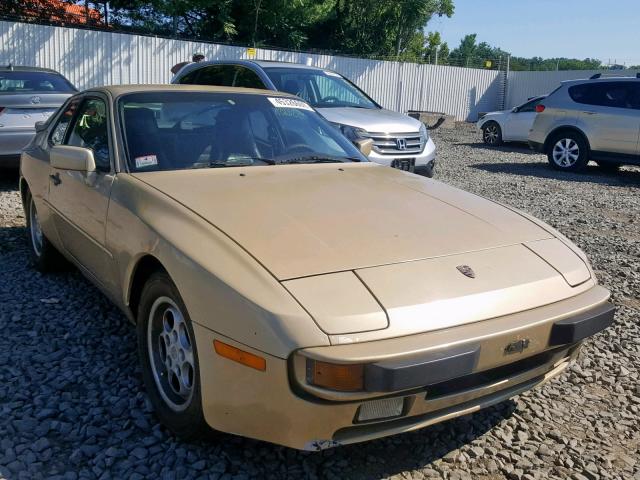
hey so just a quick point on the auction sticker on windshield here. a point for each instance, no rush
(289, 103)
(146, 161)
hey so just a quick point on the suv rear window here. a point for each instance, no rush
(605, 94)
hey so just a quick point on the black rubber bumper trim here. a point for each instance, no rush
(394, 375)
(574, 329)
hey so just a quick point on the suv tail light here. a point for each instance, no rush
(540, 108)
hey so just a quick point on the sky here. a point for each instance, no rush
(608, 30)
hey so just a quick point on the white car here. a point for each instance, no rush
(509, 125)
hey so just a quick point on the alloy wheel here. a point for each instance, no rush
(491, 134)
(170, 350)
(566, 152)
(35, 230)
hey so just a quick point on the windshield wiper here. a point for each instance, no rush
(227, 163)
(312, 159)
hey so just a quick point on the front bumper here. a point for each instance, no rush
(423, 159)
(276, 405)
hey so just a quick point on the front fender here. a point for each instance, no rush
(224, 288)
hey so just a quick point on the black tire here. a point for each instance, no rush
(492, 134)
(426, 170)
(160, 299)
(576, 148)
(609, 167)
(44, 256)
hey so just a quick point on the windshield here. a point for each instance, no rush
(181, 130)
(321, 88)
(26, 82)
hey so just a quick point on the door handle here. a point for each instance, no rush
(55, 178)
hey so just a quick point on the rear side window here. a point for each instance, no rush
(217, 75)
(247, 78)
(604, 94)
(635, 95)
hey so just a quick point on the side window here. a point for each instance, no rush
(219, 75)
(60, 129)
(530, 106)
(604, 94)
(191, 78)
(90, 131)
(635, 95)
(247, 78)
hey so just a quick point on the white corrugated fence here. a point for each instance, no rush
(90, 58)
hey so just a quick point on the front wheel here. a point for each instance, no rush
(492, 134)
(169, 358)
(568, 151)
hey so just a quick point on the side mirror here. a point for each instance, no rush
(514, 109)
(79, 159)
(41, 126)
(365, 145)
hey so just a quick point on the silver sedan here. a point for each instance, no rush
(27, 95)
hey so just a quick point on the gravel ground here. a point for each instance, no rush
(72, 403)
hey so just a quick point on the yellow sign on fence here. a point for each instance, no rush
(251, 52)
(488, 64)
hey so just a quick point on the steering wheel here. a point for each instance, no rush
(298, 148)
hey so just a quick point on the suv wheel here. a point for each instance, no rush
(568, 151)
(492, 134)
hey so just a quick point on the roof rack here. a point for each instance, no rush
(612, 75)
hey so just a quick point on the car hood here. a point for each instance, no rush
(371, 120)
(304, 220)
(500, 113)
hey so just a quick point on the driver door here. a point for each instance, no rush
(80, 200)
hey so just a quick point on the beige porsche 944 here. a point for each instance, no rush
(283, 287)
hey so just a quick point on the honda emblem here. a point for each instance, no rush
(401, 143)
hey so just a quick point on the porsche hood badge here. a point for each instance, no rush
(466, 270)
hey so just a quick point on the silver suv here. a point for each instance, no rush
(596, 119)
(399, 141)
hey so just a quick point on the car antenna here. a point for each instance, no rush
(593, 77)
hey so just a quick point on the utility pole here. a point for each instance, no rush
(437, 54)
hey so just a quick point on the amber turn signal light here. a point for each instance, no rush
(240, 356)
(340, 377)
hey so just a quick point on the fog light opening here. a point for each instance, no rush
(380, 409)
